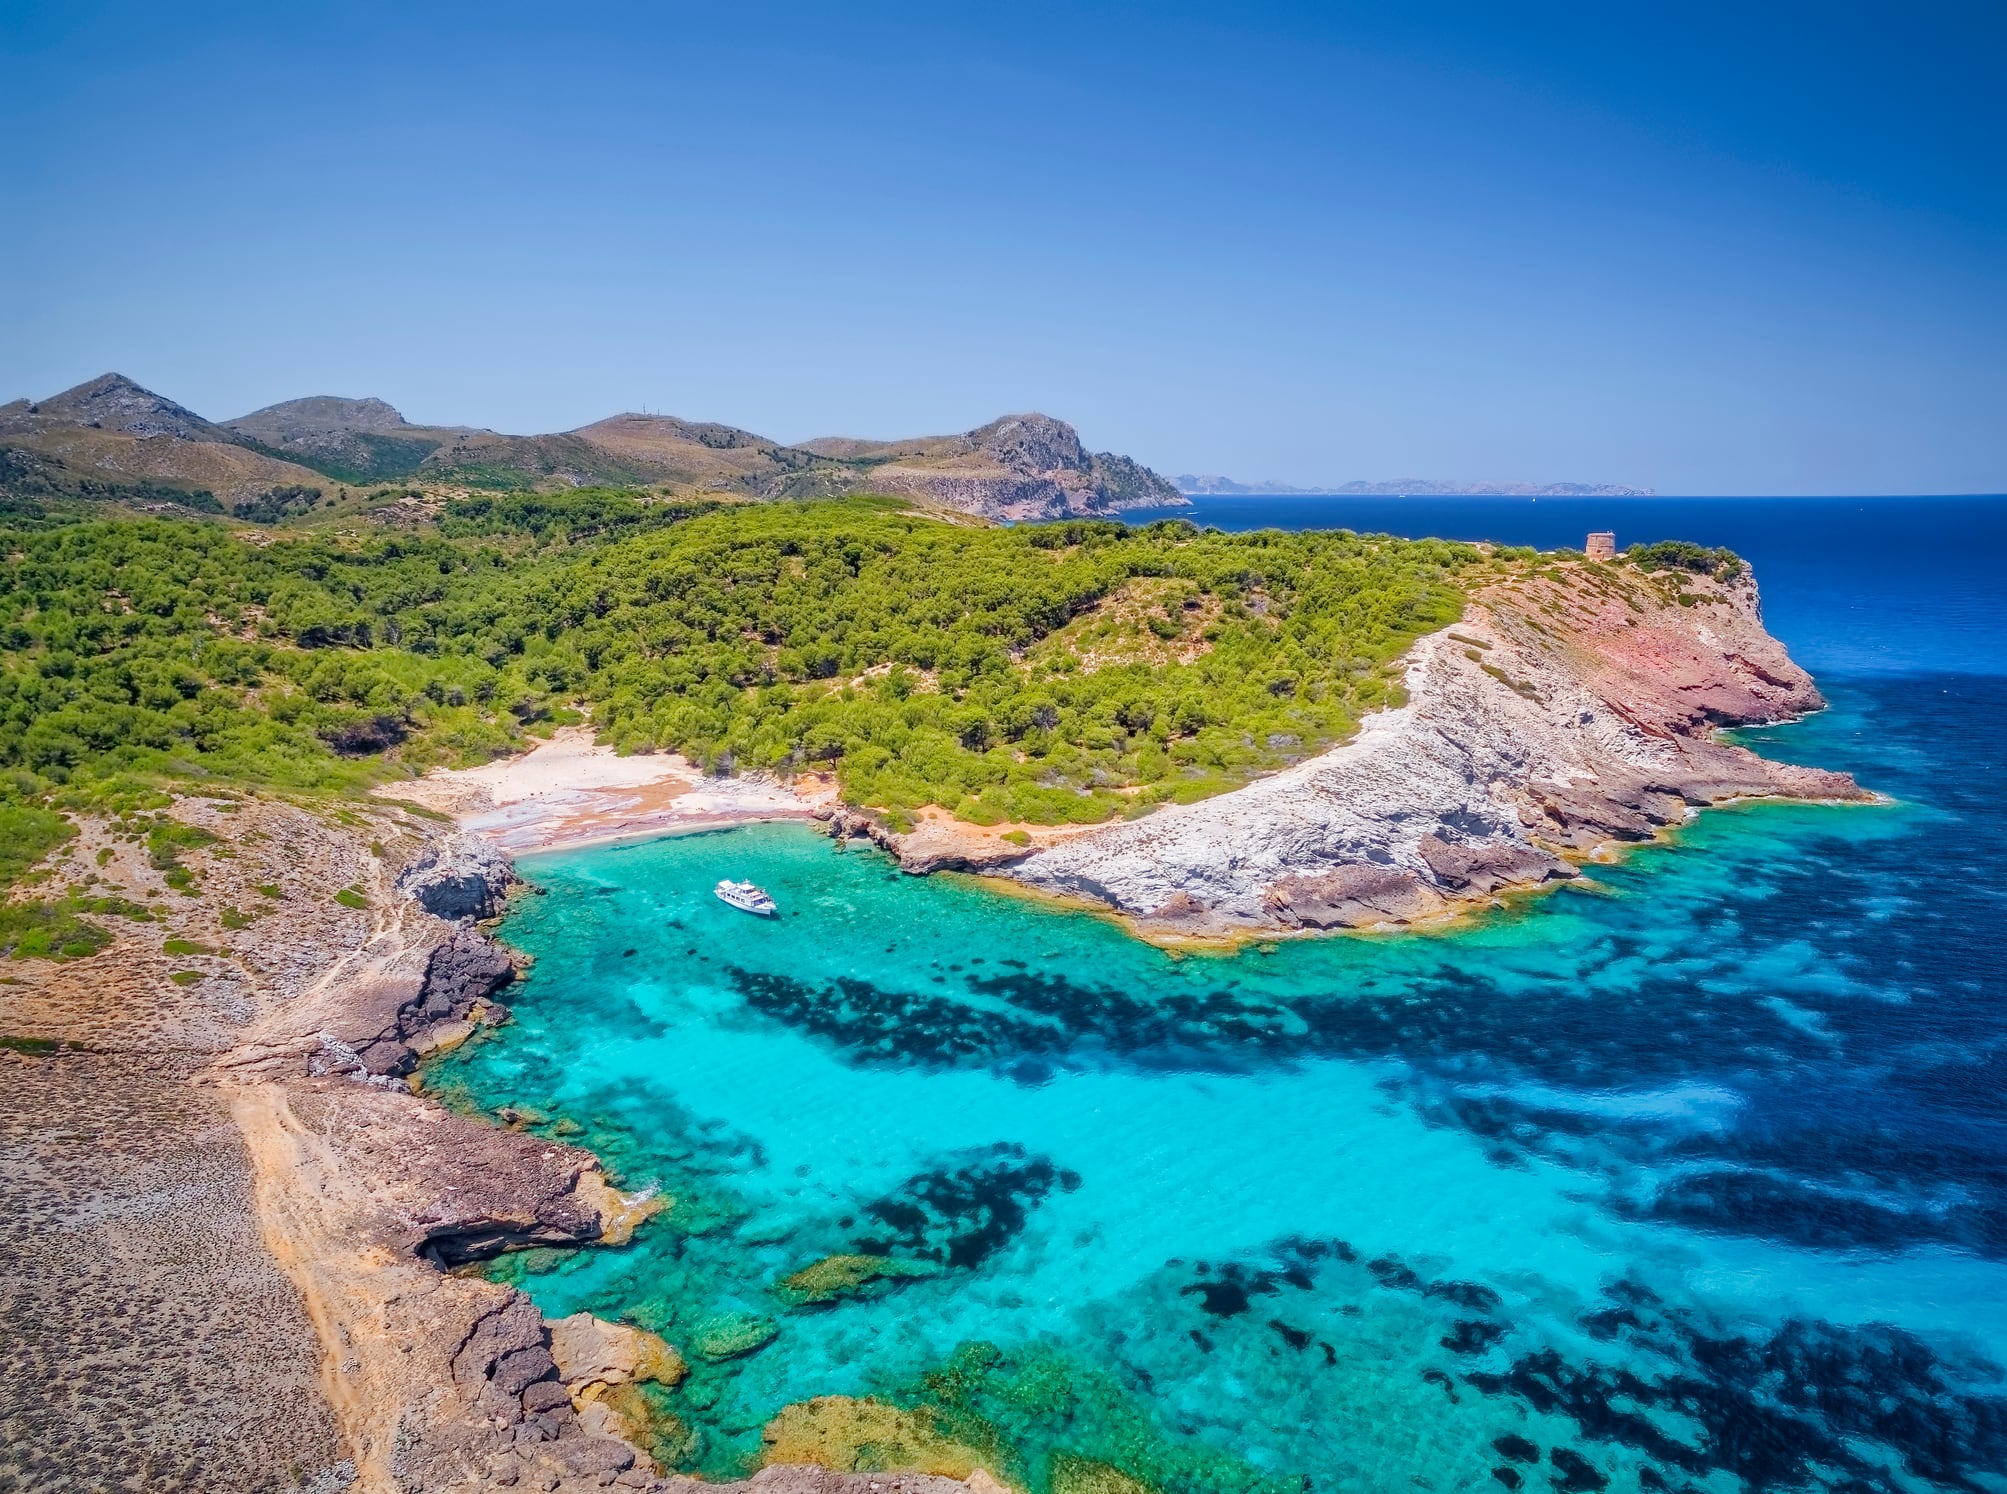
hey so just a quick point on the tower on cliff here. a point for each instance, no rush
(1602, 545)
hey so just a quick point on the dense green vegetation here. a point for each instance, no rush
(1046, 673)
(55, 929)
(1683, 555)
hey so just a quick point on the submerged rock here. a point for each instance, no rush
(836, 1277)
(1075, 1475)
(864, 1435)
(727, 1335)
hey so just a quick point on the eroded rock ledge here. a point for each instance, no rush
(1567, 710)
(368, 1193)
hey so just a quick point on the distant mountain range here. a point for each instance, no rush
(1210, 485)
(112, 438)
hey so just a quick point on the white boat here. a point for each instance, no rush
(746, 897)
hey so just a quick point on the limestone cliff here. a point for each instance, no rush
(1571, 707)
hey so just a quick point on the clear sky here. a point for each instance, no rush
(1708, 248)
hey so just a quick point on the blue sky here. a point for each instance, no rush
(1704, 248)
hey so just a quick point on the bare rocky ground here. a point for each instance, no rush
(229, 1267)
(151, 1340)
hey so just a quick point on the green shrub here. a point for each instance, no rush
(1683, 555)
(28, 832)
(49, 931)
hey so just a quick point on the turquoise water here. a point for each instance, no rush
(1695, 1176)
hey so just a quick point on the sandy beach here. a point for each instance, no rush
(568, 792)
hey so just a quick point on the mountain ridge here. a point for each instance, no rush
(111, 431)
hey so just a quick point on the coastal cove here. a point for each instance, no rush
(1691, 1173)
(690, 802)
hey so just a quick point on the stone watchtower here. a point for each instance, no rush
(1602, 545)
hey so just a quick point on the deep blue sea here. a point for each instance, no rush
(1692, 1175)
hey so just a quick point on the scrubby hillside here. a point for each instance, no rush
(1054, 673)
(353, 440)
(110, 438)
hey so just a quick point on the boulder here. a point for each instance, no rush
(591, 1351)
(585, 1456)
(516, 1371)
(1349, 896)
(388, 1058)
(459, 876)
(1476, 869)
(545, 1395)
(514, 1326)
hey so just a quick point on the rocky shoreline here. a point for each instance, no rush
(236, 1213)
(373, 1195)
(1568, 712)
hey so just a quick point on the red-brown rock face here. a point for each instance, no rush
(1572, 706)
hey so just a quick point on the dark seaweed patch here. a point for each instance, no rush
(1296, 1338)
(1729, 1200)
(1771, 1411)
(962, 1212)
(1230, 1293)
(1575, 1473)
(1392, 1274)
(1471, 1336)
(1516, 1447)
(1469, 1295)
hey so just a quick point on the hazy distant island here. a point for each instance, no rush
(1209, 485)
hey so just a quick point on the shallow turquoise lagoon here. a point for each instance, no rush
(1692, 1175)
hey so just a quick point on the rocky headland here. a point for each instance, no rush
(1573, 708)
(1020, 467)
